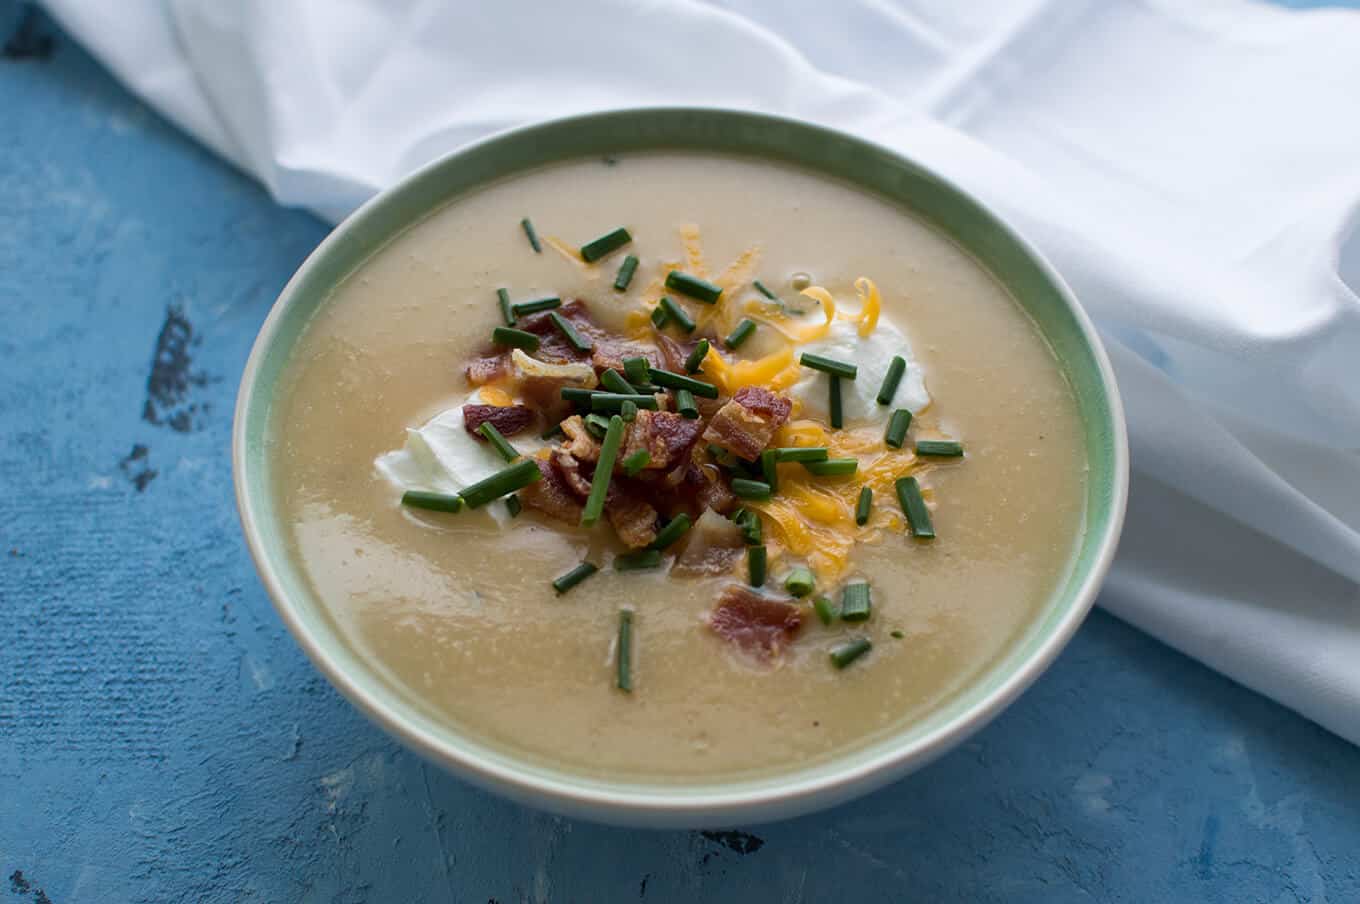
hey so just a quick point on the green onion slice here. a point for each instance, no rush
(684, 403)
(503, 299)
(828, 365)
(628, 410)
(435, 502)
(800, 581)
(676, 313)
(837, 407)
(659, 316)
(826, 612)
(514, 505)
(756, 559)
(502, 483)
(750, 489)
(626, 271)
(641, 560)
(611, 241)
(574, 577)
(568, 329)
(855, 602)
(891, 380)
(524, 308)
(769, 461)
(941, 448)
(679, 381)
(636, 462)
(673, 531)
(896, 434)
(637, 370)
(599, 485)
(624, 654)
(498, 441)
(740, 333)
(693, 286)
(612, 380)
(914, 507)
(833, 467)
(846, 653)
(613, 401)
(531, 234)
(802, 453)
(863, 506)
(509, 336)
(696, 357)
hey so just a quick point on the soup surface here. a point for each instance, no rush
(458, 611)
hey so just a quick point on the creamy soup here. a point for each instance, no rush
(458, 610)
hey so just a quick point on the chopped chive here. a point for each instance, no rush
(800, 582)
(599, 484)
(554, 430)
(609, 242)
(636, 462)
(802, 453)
(892, 379)
(896, 434)
(574, 577)
(756, 558)
(435, 502)
(503, 482)
(760, 287)
(503, 299)
(897, 634)
(637, 369)
(597, 424)
(626, 271)
(914, 507)
(826, 612)
(679, 381)
(532, 235)
(642, 560)
(612, 380)
(523, 308)
(944, 448)
(693, 286)
(612, 401)
(672, 531)
(659, 317)
(833, 467)
(743, 488)
(565, 326)
(684, 403)
(628, 410)
(696, 357)
(846, 653)
(837, 407)
(828, 365)
(769, 461)
(722, 456)
(676, 313)
(863, 506)
(741, 333)
(855, 603)
(514, 505)
(624, 654)
(504, 335)
(578, 396)
(498, 441)
(751, 530)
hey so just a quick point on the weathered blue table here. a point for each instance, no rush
(163, 739)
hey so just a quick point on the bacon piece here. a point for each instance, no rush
(745, 425)
(611, 352)
(570, 469)
(552, 495)
(712, 546)
(632, 517)
(553, 347)
(579, 443)
(754, 622)
(666, 436)
(508, 419)
(487, 369)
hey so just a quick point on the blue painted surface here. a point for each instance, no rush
(163, 739)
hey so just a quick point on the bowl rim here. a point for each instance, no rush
(661, 805)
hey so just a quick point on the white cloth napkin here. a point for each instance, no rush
(1193, 169)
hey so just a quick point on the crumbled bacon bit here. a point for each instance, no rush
(632, 517)
(508, 419)
(570, 469)
(754, 622)
(745, 425)
(666, 436)
(551, 495)
(610, 352)
(579, 443)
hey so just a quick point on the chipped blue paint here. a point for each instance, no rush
(162, 738)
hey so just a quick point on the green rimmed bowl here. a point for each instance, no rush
(1012, 261)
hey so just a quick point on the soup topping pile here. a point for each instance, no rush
(718, 426)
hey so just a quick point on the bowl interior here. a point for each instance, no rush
(865, 165)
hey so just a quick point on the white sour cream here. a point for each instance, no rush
(871, 354)
(442, 457)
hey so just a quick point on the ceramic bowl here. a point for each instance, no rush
(884, 172)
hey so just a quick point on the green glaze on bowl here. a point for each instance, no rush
(1009, 258)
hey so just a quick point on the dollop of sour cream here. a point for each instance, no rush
(442, 457)
(872, 354)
